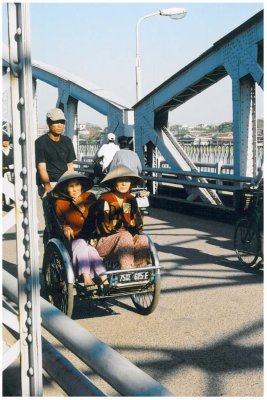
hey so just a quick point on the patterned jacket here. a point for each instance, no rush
(69, 214)
(110, 216)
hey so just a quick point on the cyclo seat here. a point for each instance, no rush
(53, 227)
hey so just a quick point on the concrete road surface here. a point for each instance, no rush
(206, 336)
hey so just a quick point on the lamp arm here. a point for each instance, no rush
(137, 57)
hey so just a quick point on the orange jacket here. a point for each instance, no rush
(82, 224)
(110, 216)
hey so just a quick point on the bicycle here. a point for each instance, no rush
(248, 233)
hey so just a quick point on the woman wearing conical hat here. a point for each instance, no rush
(75, 208)
(119, 222)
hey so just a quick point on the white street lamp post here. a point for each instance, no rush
(174, 13)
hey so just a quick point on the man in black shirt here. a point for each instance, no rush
(7, 169)
(54, 152)
(7, 156)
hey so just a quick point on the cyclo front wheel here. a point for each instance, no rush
(246, 241)
(59, 292)
(147, 302)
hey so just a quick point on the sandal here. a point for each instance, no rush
(88, 288)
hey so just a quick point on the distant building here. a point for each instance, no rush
(225, 137)
(202, 141)
(186, 139)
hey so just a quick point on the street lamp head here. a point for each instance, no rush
(174, 13)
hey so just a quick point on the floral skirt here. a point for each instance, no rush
(123, 248)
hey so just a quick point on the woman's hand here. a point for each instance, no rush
(68, 232)
(93, 242)
(77, 200)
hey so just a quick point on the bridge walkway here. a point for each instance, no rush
(205, 338)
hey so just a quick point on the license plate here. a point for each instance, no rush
(134, 276)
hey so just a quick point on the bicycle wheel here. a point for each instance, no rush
(246, 242)
(147, 302)
(59, 292)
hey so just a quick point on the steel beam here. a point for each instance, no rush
(25, 202)
(120, 373)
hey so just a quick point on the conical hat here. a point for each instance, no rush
(86, 182)
(121, 171)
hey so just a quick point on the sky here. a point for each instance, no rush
(97, 42)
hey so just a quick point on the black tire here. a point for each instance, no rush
(246, 242)
(147, 302)
(58, 291)
(45, 237)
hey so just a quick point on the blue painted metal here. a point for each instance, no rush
(94, 97)
(71, 88)
(239, 55)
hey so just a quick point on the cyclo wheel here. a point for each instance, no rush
(147, 302)
(59, 292)
(246, 242)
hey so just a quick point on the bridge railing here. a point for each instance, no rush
(219, 181)
(116, 370)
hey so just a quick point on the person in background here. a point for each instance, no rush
(107, 152)
(7, 168)
(127, 157)
(7, 156)
(119, 222)
(75, 208)
(54, 152)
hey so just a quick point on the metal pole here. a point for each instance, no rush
(25, 201)
(115, 369)
(137, 58)
(254, 129)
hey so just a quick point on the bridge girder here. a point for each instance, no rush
(238, 55)
(72, 89)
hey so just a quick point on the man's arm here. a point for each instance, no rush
(101, 152)
(41, 167)
(114, 162)
(70, 167)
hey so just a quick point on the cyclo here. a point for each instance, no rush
(142, 284)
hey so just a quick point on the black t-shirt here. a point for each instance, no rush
(56, 155)
(7, 160)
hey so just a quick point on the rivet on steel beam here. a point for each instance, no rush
(30, 371)
(28, 287)
(27, 254)
(24, 170)
(21, 101)
(28, 271)
(26, 221)
(25, 204)
(29, 304)
(27, 237)
(24, 329)
(23, 136)
(29, 321)
(19, 31)
(29, 338)
(25, 188)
